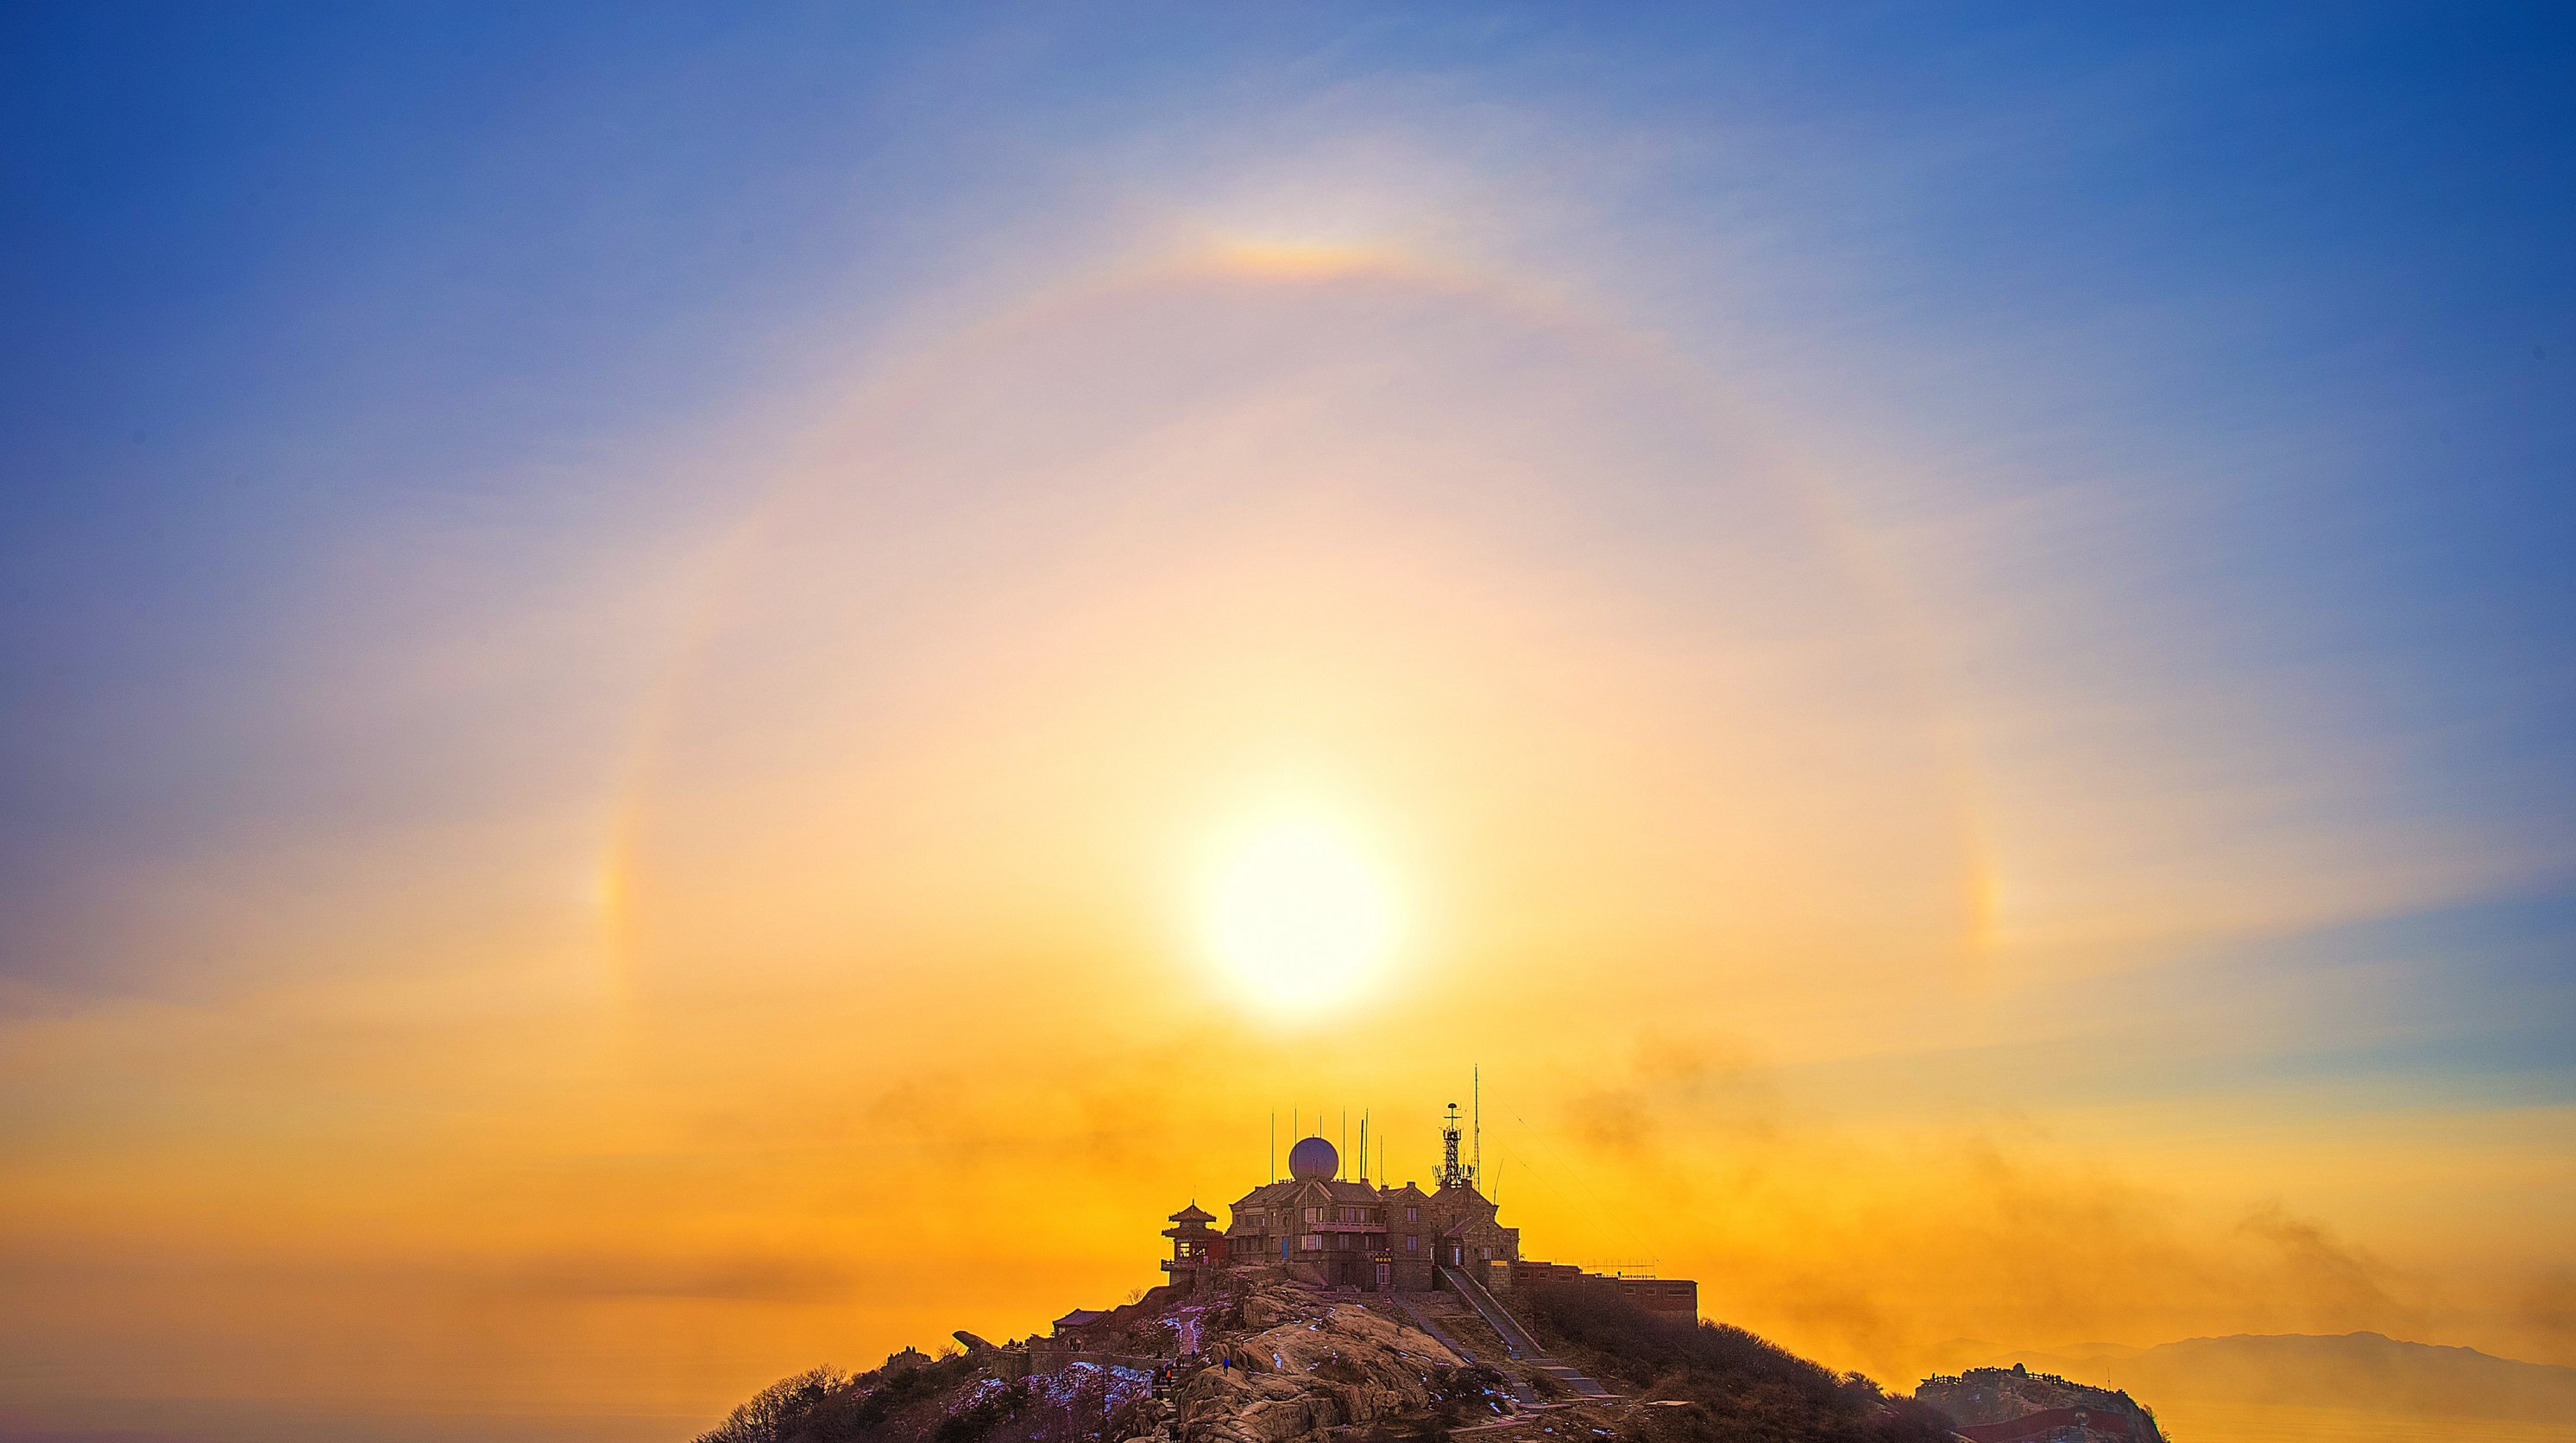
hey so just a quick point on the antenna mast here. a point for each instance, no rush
(1451, 1174)
(1274, 1144)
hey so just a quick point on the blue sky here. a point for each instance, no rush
(281, 277)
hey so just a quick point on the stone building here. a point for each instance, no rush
(1351, 1233)
(1673, 1297)
(1348, 1232)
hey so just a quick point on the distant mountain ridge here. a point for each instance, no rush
(2350, 1370)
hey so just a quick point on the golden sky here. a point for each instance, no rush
(679, 852)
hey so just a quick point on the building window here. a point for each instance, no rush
(1311, 1243)
(1484, 1255)
(1314, 1215)
(1412, 1244)
(1413, 1215)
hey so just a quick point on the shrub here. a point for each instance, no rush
(769, 1414)
(969, 1425)
(1904, 1420)
(1743, 1388)
(822, 1406)
(1455, 1391)
(1638, 1346)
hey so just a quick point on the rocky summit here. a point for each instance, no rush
(2011, 1405)
(1259, 1356)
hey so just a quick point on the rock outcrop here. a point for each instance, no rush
(1314, 1366)
(2009, 1405)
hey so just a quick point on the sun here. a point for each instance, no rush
(1297, 914)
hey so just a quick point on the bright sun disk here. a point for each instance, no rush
(1298, 914)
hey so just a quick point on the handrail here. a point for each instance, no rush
(1516, 1339)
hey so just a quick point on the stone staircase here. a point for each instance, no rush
(1572, 1378)
(1457, 1328)
(1425, 1319)
(1516, 1341)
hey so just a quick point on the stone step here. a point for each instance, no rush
(1515, 1339)
(1573, 1379)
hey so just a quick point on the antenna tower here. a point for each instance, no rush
(1451, 1174)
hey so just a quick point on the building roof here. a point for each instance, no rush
(1269, 1194)
(1078, 1317)
(1193, 1214)
(1338, 1189)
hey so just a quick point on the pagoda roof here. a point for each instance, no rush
(1193, 1214)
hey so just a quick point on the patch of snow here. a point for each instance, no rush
(1112, 1384)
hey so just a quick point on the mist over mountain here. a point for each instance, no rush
(2361, 1371)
